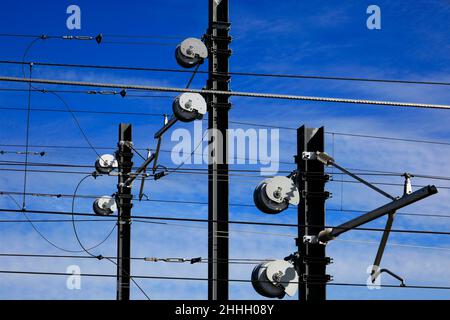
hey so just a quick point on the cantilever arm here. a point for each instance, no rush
(331, 233)
(139, 170)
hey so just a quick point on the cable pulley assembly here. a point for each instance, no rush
(105, 164)
(104, 206)
(275, 279)
(191, 52)
(188, 107)
(274, 195)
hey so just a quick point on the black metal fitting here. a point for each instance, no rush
(317, 260)
(312, 194)
(219, 105)
(315, 177)
(316, 278)
(221, 25)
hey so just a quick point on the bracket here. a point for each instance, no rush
(310, 239)
(307, 155)
(312, 194)
(316, 278)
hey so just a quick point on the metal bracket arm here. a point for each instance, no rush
(331, 233)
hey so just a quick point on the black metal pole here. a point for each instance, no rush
(123, 197)
(218, 40)
(311, 262)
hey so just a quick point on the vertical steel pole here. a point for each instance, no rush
(311, 179)
(218, 40)
(124, 158)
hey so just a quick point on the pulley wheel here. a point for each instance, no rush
(188, 115)
(184, 61)
(191, 52)
(105, 164)
(104, 206)
(263, 285)
(264, 204)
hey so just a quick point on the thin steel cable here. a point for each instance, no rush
(294, 236)
(27, 137)
(86, 111)
(237, 73)
(54, 220)
(171, 37)
(362, 172)
(197, 220)
(228, 93)
(102, 275)
(90, 92)
(31, 153)
(144, 259)
(176, 170)
(144, 43)
(99, 257)
(238, 178)
(74, 117)
(73, 217)
(25, 53)
(354, 211)
(36, 229)
(355, 135)
(401, 245)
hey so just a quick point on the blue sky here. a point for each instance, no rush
(318, 38)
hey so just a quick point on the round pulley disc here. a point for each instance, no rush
(263, 285)
(105, 163)
(281, 189)
(283, 273)
(189, 106)
(104, 206)
(190, 52)
(264, 203)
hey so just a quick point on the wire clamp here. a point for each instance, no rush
(219, 105)
(310, 239)
(313, 278)
(317, 260)
(312, 194)
(306, 155)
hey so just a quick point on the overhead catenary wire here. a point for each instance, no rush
(239, 177)
(188, 202)
(54, 220)
(223, 234)
(97, 38)
(198, 220)
(27, 135)
(90, 92)
(228, 93)
(355, 135)
(36, 229)
(239, 73)
(102, 275)
(362, 172)
(42, 153)
(144, 259)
